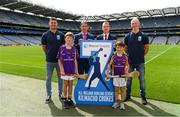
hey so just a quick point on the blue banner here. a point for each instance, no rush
(95, 90)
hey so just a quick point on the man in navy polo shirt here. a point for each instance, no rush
(51, 41)
(137, 46)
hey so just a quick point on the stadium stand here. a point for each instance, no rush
(17, 39)
(151, 39)
(5, 41)
(23, 23)
(31, 39)
(173, 40)
(160, 40)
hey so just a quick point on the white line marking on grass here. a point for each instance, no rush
(22, 65)
(159, 54)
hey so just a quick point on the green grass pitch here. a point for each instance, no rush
(162, 69)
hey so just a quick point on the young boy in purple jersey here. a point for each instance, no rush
(119, 65)
(67, 59)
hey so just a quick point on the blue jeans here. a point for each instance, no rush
(141, 68)
(49, 72)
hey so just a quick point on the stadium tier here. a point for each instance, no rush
(18, 28)
(19, 40)
(160, 40)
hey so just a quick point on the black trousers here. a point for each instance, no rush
(83, 65)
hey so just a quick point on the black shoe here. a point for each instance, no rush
(48, 100)
(71, 103)
(144, 101)
(66, 104)
(61, 97)
(127, 99)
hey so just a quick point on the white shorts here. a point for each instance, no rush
(67, 77)
(119, 82)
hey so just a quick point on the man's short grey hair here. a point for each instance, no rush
(135, 18)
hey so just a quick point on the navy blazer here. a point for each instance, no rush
(110, 37)
(79, 36)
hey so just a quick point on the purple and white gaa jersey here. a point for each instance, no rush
(67, 57)
(119, 63)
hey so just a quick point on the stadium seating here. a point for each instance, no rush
(151, 39)
(16, 39)
(31, 39)
(19, 40)
(21, 18)
(173, 40)
(5, 41)
(30, 28)
(160, 40)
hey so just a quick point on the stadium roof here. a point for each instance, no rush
(36, 9)
(28, 7)
(139, 14)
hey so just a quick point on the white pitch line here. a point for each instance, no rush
(44, 67)
(159, 55)
(22, 65)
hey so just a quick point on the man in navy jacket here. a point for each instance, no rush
(83, 63)
(106, 32)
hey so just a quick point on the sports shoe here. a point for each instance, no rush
(61, 97)
(71, 103)
(122, 106)
(144, 101)
(115, 105)
(66, 104)
(48, 99)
